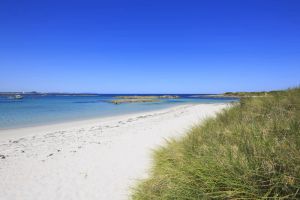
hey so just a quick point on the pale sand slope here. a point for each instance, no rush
(95, 159)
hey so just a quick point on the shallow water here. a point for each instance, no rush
(41, 110)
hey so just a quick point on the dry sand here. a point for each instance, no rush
(92, 159)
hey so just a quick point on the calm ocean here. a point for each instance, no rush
(41, 110)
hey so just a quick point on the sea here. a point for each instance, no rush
(35, 110)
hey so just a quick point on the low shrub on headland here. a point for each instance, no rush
(249, 151)
(251, 94)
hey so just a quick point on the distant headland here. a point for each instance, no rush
(47, 94)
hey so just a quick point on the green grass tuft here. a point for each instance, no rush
(249, 151)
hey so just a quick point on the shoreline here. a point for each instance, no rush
(52, 126)
(68, 121)
(6, 133)
(91, 159)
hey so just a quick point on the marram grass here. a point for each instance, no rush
(249, 151)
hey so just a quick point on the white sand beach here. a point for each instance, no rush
(92, 159)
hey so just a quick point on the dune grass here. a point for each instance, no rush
(249, 151)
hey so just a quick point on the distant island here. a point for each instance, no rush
(141, 99)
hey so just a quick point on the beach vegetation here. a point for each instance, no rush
(250, 150)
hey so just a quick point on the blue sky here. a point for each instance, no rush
(157, 46)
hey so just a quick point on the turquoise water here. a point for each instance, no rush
(40, 110)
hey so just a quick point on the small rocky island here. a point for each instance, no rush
(141, 99)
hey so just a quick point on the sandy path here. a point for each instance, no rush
(93, 159)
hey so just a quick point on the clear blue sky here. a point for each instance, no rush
(153, 46)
